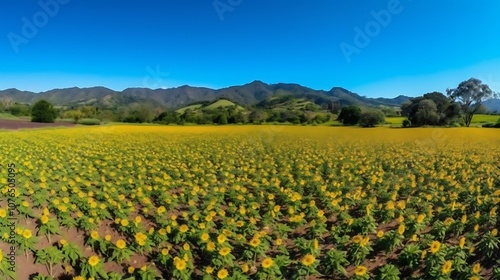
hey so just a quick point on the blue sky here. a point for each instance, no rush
(375, 48)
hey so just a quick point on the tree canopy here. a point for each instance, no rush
(43, 112)
(371, 118)
(432, 108)
(350, 115)
(470, 94)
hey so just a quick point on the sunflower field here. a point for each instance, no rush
(250, 202)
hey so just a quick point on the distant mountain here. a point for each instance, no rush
(174, 98)
(492, 105)
(401, 99)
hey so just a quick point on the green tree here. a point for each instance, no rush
(221, 118)
(257, 116)
(470, 94)
(371, 118)
(105, 115)
(406, 123)
(88, 111)
(238, 117)
(189, 116)
(350, 115)
(43, 112)
(167, 117)
(76, 115)
(20, 110)
(432, 108)
(427, 113)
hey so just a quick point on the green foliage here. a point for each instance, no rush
(406, 123)
(89, 122)
(431, 109)
(39, 276)
(371, 118)
(220, 104)
(73, 114)
(168, 117)
(410, 256)
(389, 272)
(71, 253)
(350, 115)
(49, 257)
(336, 262)
(221, 119)
(489, 246)
(105, 115)
(19, 110)
(470, 94)
(281, 109)
(257, 116)
(494, 125)
(135, 113)
(427, 113)
(389, 112)
(43, 112)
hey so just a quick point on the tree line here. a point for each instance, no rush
(237, 115)
(456, 108)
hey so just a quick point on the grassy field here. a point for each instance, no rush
(192, 107)
(485, 118)
(213, 106)
(7, 116)
(252, 202)
(476, 119)
(395, 120)
(220, 103)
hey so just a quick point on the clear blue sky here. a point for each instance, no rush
(424, 46)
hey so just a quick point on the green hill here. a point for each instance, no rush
(173, 98)
(210, 106)
(222, 103)
(191, 107)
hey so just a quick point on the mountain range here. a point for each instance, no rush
(173, 98)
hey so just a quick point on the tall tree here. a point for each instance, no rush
(470, 94)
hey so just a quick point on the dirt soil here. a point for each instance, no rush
(22, 124)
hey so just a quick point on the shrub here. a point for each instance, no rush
(492, 125)
(43, 112)
(371, 118)
(89, 122)
(406, 123)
